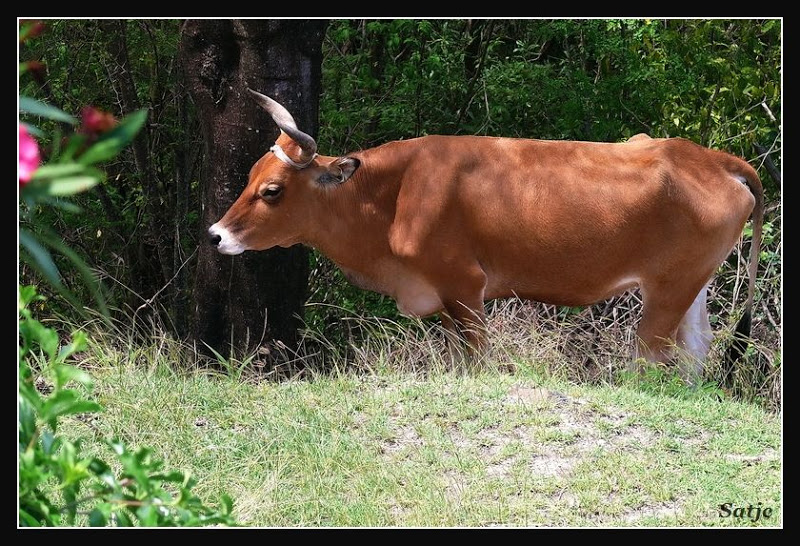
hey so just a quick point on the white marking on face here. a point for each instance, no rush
(228, 244)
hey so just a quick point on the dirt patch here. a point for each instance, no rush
(748, 460)
(659, 510)
(578, 430)
(405, 438)
(491, 440)
(549, 465)
(531, 395)
(454, 486)
(501, 469)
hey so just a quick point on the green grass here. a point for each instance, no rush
(397, 447)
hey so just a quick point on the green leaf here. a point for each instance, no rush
(100, 469)
(58, 170)
(28, 394)
(41, 109)
(227, 504)
(117, 445)
(123, 520)
(111, 143)
(73, 145)
(55, 180)
(65, 374)
(131, 464)
(27, 520)
(71, 508)
(85, 406)
(99, 516)
(76, 344)
(148, 515)
(26, 421)
(49, 441)
(35, 131)
(101, 151)
(66, 402)
(132, 467)
(27, 294)
(59, 203)
(98, 466)
(48, 341)
(71, 185)
(41, 258)
(173, 476)
(86, 273)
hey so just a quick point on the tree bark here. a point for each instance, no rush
(242, 301)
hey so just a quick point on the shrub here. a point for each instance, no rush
(58, 484)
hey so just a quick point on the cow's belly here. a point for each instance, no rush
(533, 287)
(417, 297)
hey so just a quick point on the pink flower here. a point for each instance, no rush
(28, 156)
(96, 121)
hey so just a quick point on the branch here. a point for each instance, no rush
(704, 125)
(631, 112)
(154, 296)
(769, 112)
(771, 168)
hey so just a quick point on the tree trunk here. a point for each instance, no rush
(242, 301)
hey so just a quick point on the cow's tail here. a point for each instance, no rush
(741, 334)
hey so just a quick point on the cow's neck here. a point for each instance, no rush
(355, 217)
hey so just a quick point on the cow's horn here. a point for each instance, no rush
(286, 122)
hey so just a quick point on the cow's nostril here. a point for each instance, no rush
(214, 239)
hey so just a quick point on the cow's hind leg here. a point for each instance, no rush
(454, 340)
(663, 311)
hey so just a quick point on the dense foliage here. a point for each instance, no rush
(717, 82)
(140, 222)
(58, 483)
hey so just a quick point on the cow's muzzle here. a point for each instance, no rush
(224, 240)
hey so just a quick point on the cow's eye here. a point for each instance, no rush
(271, 192)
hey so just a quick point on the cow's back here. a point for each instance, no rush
(544, 217)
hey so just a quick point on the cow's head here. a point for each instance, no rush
(277, 206)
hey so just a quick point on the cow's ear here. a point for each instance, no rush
(339, 170)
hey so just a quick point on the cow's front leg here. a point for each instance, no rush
(468, 324)
(464, 316)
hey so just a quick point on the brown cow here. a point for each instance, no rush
(442, 223)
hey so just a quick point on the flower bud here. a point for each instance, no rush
(95, 121)
(28, 156)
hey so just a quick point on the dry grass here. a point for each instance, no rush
(590, 345)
